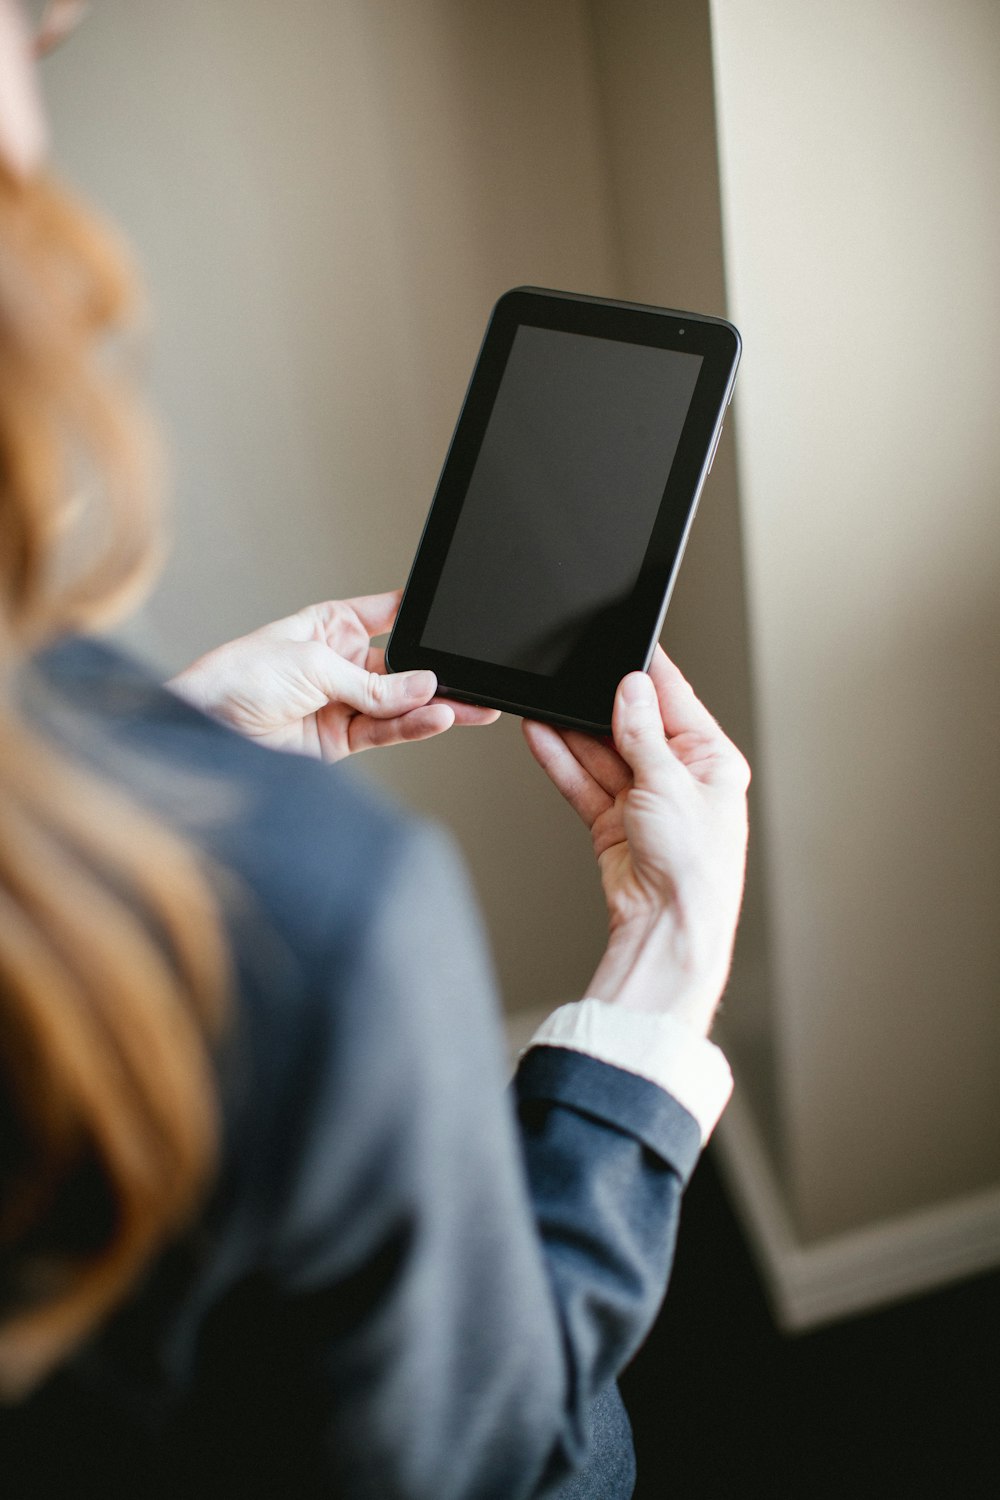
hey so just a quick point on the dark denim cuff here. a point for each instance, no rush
(631, 1104)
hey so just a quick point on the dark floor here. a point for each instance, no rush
(904, 1402)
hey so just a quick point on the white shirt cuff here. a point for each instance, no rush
(666, 1052)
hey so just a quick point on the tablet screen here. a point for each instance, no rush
(562, 498)
(566, 497)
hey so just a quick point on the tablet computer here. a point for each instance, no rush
(556, 531)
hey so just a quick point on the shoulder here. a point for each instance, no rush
(331, 895)
(305, 851)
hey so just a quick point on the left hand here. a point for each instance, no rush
(314, 683)
(666, 805)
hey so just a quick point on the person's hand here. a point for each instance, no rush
(314, 683)
(666, 808)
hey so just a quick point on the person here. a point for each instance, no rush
(270, 1221)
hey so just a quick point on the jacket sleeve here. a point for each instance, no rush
(461, 1268)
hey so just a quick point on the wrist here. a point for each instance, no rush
(189, 685)
(649, 967)
(200, 686)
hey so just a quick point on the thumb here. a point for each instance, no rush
(638, 731)
(388, 695)
(381, 695)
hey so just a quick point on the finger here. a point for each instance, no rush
(378, 694)
(376, 611)
(638, 733)
(465, 713)
(557, 760)
(470, 713)
(365, 733)
(681, 710)
(601, 759)
(684, 714)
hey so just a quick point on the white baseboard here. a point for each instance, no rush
(812, 1284)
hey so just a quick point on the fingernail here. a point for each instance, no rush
(420, 686)
(637, 688)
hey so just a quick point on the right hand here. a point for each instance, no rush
(314, 683)
(667, 811)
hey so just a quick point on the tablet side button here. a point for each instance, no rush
(715, 449)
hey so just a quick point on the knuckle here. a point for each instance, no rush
(739, 769)
(374, 691)
(731, 760)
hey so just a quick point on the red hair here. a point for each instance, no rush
(112, 960)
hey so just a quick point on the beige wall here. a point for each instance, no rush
(328, 195)
(860, 145)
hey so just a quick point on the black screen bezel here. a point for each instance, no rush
(628, 633)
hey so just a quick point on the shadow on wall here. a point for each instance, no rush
(913, 883)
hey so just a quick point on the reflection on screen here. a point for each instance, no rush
(563, 497)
